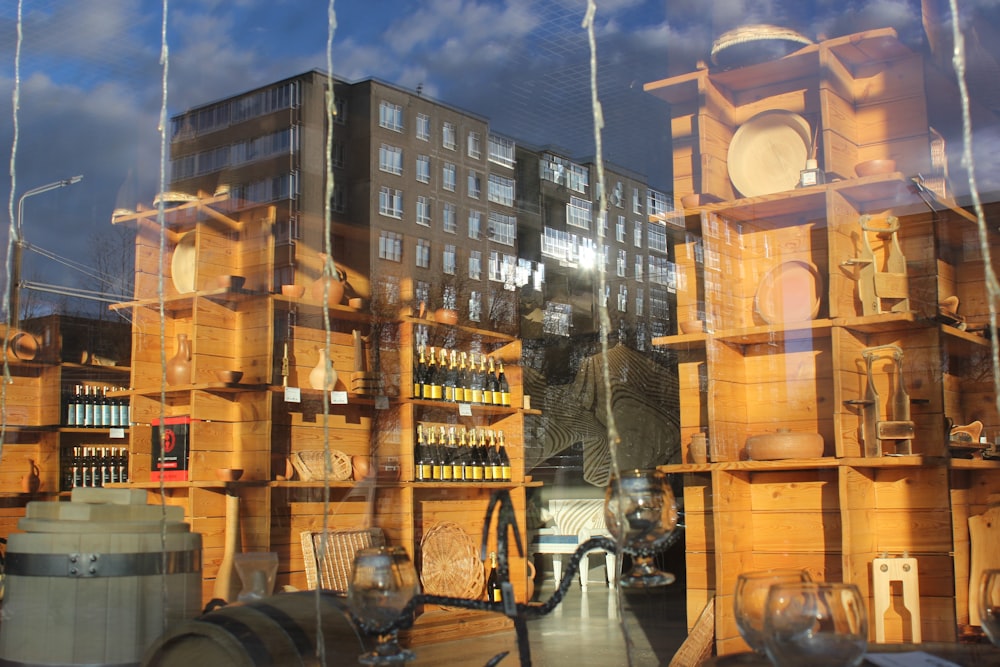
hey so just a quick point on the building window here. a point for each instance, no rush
(578, 213)
(501, 151)
(475, 224)
(618, 195)
(448, 221)
(622, 298)
(659, 304)
(475, 265)
(638, 302)
(501, 190)
(448, 177)
(448, 260)
(659, 271)
(423, 169)
(423, 127)
(448, 139)
(390, 202)
(657, 202)
(502, 267)
(339, 110)
(502, 228)
(390, 159)
(338, 154)
(390, 246)
(620, 266)
(424, 211)
(475, 185)
(638, 268)
(474, 147)
(475, 306)
(636, 201)
(637, 234)
(620, 229)
(338, 199)
(422, 256)
(565, 172)
(656, 237)
(390, 116)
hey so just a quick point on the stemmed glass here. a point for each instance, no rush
(751, 595)
(382, 583)
(989, 605)
(815, 623)
(641, 513)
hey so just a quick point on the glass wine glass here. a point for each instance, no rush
(641, 513)
(751, 595)
(989, 605)
(382, 583)
(817, 624)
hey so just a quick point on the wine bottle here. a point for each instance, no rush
(432, 451)
(504, 386)
(505, 472)
(493, 591)
(88, 408)
(457, 465)
(451, 379)
(467, 462)
(494, 385)
(475, 382)
(80, 405)
(434, 378)
(76, 466)
(478, 463)
(421, 469)
(463, 392)
(71, 399)
(125, 409)
(106, 405)
(122, 464)
(487, 398)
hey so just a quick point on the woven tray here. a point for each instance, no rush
(449, 563)
(310, 465)
(332, 572)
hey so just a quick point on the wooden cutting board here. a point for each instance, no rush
(984, 539)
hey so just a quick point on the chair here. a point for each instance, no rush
(574, 521)
(333, 572)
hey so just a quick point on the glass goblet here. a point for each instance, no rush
(989, 604)
(750, 597)
(383, 582)
(817, 624)
(641, 513)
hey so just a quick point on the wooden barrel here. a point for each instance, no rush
(278, 630)
(96, 580)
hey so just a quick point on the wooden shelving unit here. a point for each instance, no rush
(752, 372)
(272, 413)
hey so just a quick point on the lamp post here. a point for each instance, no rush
(15, 274)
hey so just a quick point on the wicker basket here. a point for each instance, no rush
(310, 466)
(332, 571)
(449, 563)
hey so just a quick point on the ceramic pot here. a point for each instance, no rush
(318, 374)
(361, 465)
(446, 316)
(31, 481)
(784, 444)
(335, 288)
(179, 366)
(698, 450)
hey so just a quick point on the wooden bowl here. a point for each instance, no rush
(294, 291)
(234, 283)
(228, 474)
(874, 167)
(229, 377)
(691, 326)
(784, 444)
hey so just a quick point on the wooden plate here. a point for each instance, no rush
(790, 292)
(768, 152)
(183, 264)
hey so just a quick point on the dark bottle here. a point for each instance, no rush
(432, 386)
(432, 450)
(419, 375)
(477, 457)
(494, 385)
(71, 406)
(457, 465)
(451, 380)
(122, 464)
(493, 591)
(76, 467)
(466, 453)
(504, 386)
(80, 405)
(422, 468)
(106, 408)
(447, 465)
(484, 382)
(88, 408)
(475, 382)
(505, 472)
(463, 392)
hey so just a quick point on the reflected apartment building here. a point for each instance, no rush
(431, 208)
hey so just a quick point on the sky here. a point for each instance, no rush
(91, 78)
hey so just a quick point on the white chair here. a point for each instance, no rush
(574, 521)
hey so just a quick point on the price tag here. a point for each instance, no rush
(116, 433)
(293, 395)
(464, 409)
(338, 397)
(381, 402)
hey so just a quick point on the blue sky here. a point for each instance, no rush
(91, 76)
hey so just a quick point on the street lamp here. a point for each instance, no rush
(18, 240)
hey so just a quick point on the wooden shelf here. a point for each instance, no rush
(214, 387)
(183, 302)
(307, 305)
(485, 334)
